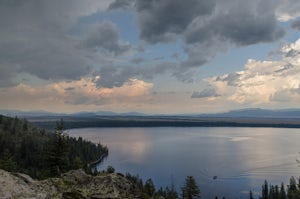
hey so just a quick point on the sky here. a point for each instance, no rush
(150, 56)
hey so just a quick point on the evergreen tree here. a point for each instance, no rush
(25, 125)
(110, 169)
(272, 192)
(293, 184)
(282, 194)
(190, 190)
(58, 159)
(276, 192)
(251, 195)
(265, 191)
(77, 163)
(162, 192)
(149, 187)
(171, 193)
(292, 188)
(6, 162)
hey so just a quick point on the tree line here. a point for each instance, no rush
(42, 154)
(189, 190)
(291, 191)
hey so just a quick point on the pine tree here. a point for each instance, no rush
(6, 162)
(149, 187)
(77, 163)
(272, 192)
(58, 159)
(292, 188)
(190, 190)
(282, 194)
(251, 195)
(265, 191)
(171, 193)
(276, 192)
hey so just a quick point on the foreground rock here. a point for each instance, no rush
(74, 184)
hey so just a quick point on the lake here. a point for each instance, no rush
(240, 158)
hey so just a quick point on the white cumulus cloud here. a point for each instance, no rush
(263, 82)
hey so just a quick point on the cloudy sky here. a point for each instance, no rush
(152, 56)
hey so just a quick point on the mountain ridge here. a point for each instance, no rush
(244, 113)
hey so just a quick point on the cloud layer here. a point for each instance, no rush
(40, 37)
(160, 21)
(82, 93)
(262, 82)
(205, 28)
(105, 37)
(77, 50)
(38, 40)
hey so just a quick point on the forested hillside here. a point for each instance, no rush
(41, 154)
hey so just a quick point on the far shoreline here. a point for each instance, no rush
(49, 122)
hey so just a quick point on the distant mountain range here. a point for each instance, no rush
(242, 113)
(258, 113)
(13, 113)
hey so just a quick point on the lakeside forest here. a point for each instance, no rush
(71, 122)
(43, 154)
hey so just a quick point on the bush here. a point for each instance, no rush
(110, 169)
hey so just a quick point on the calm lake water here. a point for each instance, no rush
(241, 158)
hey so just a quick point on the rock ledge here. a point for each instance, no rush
(74, 184)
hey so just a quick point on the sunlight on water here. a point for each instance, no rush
(225, 161)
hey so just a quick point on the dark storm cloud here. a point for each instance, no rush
(137, 60)
(34, 41)
(291, 53)
(240, 22)
(208, 92)
(48, 59)
(116, 76)
(6, 76)
(296, 24)
(121, 4)
(234, 23)
(231, 79)
(113, 77)
(207, 27)
(248, 22)
(70, 89)
(162, 20)
(200, 53)
(106, 36)
(37, 40)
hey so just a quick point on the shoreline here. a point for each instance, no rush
(98, 161)
(164, 121)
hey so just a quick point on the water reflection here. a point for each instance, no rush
(241, 158)
(129, 146)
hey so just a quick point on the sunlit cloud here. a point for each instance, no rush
(81, 92)
(263, 82)
(288, 10)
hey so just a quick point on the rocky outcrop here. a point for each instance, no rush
(74, 184)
